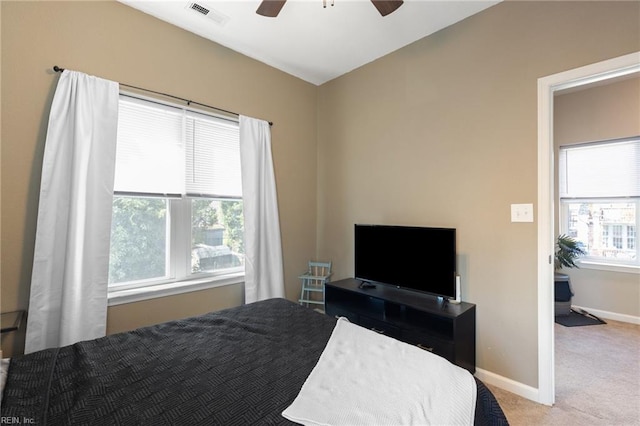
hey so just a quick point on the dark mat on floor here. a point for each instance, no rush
(575, 319)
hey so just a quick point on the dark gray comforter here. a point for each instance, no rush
(240, 366)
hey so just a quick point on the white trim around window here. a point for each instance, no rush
(137, 294)
(218, 181)
(592, 264)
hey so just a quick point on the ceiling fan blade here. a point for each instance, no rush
(270, 8)
(385, 7)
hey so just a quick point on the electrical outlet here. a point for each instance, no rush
(521, 212)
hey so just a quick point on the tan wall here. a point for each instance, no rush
(599, 113)
(116, 42)
(444, 133)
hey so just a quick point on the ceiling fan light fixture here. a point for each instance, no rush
(324, 3)
(271, 8)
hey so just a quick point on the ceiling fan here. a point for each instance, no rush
(271, 8)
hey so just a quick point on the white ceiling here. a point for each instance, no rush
(306, 40)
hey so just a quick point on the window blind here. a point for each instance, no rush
(171, 151)
(213, 157)
(600, 170)
(149, 148)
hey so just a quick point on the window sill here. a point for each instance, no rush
(120, 297)
(584, 264)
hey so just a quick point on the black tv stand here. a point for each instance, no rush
(429, 322)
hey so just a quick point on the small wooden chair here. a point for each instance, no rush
(313, 281)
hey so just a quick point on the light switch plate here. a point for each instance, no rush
(521, 212)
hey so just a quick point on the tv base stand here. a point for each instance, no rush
(433, 324)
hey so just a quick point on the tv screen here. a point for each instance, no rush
(410, 257)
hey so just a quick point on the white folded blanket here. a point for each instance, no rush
(4, 370)
(364, 378)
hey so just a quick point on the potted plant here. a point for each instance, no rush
(568, 250)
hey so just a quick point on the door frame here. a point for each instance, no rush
(547, 86)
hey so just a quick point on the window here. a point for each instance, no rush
(177, 208)
(599, 186)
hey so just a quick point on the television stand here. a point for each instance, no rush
(446, 329)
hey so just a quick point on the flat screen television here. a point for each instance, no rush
(408, 257)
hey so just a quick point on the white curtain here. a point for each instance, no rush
(68, 300)
(264, 277)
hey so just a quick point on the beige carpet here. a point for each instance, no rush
(597, 379)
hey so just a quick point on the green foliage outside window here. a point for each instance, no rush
(138, 239)
(234, 223)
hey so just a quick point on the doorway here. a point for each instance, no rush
(547, 86)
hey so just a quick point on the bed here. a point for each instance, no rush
(238, 366)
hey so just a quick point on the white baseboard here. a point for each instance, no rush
(509, 385)
(610, 315)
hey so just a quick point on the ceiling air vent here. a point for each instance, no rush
(209, 12)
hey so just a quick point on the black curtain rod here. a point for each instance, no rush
(189, 102)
